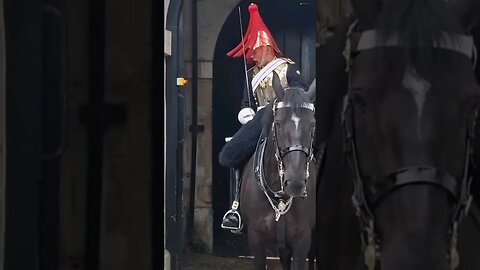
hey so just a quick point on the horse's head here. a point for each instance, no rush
(408, 117)
(293, 131)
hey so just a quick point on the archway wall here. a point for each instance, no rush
(210, 19)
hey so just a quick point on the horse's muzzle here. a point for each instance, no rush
(296, 188)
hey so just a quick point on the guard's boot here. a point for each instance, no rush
(232, 220)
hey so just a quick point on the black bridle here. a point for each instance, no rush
(366, 196)
(280, 200)
(280, 153)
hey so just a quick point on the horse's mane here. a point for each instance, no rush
(415, 22)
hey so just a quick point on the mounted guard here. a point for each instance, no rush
(257, 46)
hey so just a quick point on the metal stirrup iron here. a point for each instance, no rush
(234, 208)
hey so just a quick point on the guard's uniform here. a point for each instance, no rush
(289, 75)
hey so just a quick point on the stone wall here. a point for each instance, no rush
(211, 17)
(126, 220)
(72, 212)
(125, 233)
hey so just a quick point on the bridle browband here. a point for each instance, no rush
(280, 200)
(365, 196)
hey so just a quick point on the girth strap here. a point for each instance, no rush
(412, 175)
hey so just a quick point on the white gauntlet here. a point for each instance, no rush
(245, 115)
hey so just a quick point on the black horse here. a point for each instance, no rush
(407, 127)
(279, 183)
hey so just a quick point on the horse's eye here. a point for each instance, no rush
(358, 98)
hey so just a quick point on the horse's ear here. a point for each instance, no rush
(466, 11)
(367, 12)
(312, 91)
(277, 86)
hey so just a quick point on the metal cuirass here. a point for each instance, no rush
(264, 93)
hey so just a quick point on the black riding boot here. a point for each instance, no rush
(232, 219)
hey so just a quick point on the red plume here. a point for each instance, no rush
(257, 35)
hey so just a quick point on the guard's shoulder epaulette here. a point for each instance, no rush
(290, 61)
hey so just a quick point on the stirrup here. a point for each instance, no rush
(239, 231)
(236, 230)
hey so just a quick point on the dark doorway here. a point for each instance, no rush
(293, 25)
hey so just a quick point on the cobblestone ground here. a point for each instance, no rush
(199, 261)
(230, 252)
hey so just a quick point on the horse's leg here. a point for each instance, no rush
(300, 249)
(256, 243)
(286, 257)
